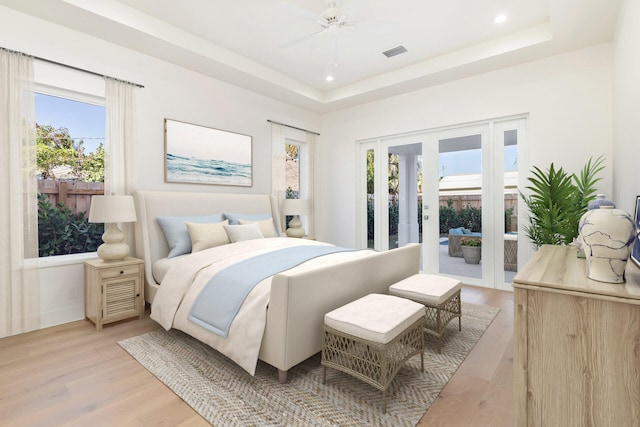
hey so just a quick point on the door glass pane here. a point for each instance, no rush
(405, 180)
(460, 197)
(371, 211)
(510, 204)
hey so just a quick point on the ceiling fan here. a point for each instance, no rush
(332, 21)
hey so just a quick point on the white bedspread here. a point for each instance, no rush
(184, 281)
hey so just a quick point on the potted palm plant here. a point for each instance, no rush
(557, 200)
(471, 249)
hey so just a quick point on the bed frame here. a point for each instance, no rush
(298, 302)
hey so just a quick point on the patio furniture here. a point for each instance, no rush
(510, 247)
(455, 234)
(439, 294)
(511, 252)
(371, 339)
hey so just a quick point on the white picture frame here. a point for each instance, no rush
(198, 154)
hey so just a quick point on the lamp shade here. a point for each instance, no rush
(112, 209)
(296, 207)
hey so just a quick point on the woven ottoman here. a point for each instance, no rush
(439, 294)
(371, 339)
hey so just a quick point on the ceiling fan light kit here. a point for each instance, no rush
(332, 22)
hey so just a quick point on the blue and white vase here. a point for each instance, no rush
(606, 235)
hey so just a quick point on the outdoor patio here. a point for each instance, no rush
(457, 266)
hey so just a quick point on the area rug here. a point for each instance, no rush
(225, 395)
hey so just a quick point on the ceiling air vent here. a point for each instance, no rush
(395, 51)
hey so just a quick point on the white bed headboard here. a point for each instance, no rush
(151, 244)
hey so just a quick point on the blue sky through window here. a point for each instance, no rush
(469, 161)
(85, 121)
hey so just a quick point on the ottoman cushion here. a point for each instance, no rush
(375, 317)
(429, 289)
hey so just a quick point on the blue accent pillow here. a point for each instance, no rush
(176, 233)
(458, 230)
(234, 217)
(466, 231)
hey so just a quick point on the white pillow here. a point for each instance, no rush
(238, 233)
(205, 236)
(266, 226)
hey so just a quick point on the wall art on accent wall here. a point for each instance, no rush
(202, 155)
(635, 249)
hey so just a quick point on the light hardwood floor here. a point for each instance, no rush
(73, 375)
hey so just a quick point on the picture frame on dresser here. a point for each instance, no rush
(635, 248)
(203, 155)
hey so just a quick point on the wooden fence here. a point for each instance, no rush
(74, 195)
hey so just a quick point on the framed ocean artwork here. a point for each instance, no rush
(202, 155)
(635, 249)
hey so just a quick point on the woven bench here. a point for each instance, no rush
(439, 294)
(371, 339)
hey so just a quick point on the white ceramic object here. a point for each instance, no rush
(606, 236)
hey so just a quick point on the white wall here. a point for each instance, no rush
(169, 91)
(626, 141)
(568, 98)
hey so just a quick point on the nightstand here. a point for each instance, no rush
(113, 290)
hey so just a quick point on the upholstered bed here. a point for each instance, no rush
(294, 300)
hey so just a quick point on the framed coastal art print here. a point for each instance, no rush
(635, 249)
(203, 155)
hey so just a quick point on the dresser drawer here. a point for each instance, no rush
(110, 273)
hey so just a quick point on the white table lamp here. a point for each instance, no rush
(111, 210)
(295, 207)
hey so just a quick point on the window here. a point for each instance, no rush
(292, 166)
(70, 162)
(296, 175)
(292, 171)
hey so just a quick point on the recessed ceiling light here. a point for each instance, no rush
(500, 18)
(329, 78)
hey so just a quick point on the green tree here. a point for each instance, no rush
(291, 150)
(93, 167)
(56, 148)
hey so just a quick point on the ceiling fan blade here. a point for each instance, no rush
(302, 39)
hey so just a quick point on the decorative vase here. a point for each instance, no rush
(471, 254)
(600, 201)
(606, 235)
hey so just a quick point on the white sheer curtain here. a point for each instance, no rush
(19, 276)
(278, 170)
(120, 148)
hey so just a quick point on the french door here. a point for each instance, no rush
(432, 186)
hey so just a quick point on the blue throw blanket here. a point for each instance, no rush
(220, 299)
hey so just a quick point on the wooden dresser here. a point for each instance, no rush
(577, 344)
